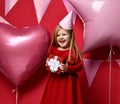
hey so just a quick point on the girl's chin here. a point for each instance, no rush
(62, 46)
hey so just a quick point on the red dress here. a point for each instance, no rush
(63, 88)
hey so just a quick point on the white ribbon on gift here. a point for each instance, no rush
(54, 64)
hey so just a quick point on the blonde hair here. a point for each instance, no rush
(72, 46)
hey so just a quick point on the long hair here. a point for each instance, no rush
(72, 48)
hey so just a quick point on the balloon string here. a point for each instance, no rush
(110, 72)
(16, 95)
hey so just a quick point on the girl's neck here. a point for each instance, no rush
(63, 49)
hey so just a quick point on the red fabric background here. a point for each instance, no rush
(30, 92)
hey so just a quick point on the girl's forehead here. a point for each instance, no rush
(61, 31)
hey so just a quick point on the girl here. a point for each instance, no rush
(63, 86)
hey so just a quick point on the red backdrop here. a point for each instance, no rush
(30, 92)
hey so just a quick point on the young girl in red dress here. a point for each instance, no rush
(64, 62)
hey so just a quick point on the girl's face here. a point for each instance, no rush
(63, 39)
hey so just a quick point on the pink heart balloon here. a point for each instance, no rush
(22, 51)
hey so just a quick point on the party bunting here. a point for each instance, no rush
(40, 7)
(91, 68)
(3, 20)
(118, 61)
(9, 4)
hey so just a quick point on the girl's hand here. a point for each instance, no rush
(47, 62)
(63, 68)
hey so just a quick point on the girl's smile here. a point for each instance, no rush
(63, 39)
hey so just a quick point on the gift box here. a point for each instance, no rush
(53, 63)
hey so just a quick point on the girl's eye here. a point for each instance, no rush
(64, 34)
(58, 35)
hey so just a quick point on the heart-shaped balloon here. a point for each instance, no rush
(22, 51)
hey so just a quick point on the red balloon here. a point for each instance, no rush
(22, 51)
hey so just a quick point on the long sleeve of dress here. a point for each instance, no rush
(75, 67)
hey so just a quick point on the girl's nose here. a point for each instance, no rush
(61, 36)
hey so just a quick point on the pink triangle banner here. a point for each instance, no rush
(91, 68)
(2, 20)
(118, 61)
(41, 7)
(9, 4)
